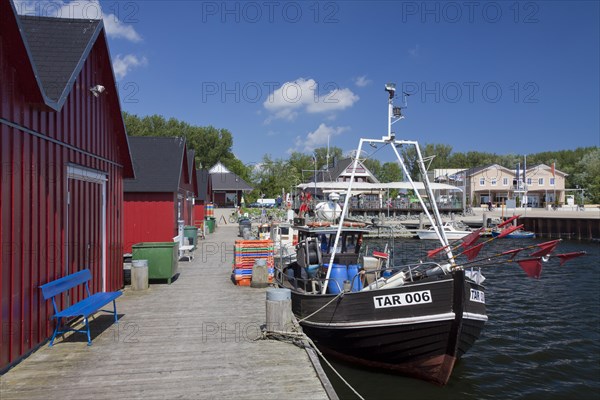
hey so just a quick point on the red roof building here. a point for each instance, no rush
(63, 156)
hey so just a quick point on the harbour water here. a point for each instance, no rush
(542, 339)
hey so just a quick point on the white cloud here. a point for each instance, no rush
(337, 99)
(117, 29)
(287, 101)
(81, 9)
(318, 137)
(362, 81)
(122, 65)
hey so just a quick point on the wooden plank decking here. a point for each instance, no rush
(193, 339)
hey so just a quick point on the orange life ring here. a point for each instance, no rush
(318, 224)
(354, 224)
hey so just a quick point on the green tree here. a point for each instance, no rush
(587, 176)
(390, 172)
(321, 153)
(210, 144)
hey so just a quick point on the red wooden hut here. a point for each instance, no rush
(63, 155)
(162, 195)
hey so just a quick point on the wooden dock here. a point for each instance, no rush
(193, 339)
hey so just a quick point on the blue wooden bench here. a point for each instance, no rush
(86, 307)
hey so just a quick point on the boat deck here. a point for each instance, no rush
(193, 339)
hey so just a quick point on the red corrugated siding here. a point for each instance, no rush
(148, 217)
(33, 200)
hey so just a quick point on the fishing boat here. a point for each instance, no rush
(285, 237)
(452, 230)
(416, 319)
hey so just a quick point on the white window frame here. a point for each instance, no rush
(529, 182)
(494, 182)
(552, 181)
(505, 181)
(481, 181)
(541, 181)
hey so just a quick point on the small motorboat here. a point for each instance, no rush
(452, 230)
(505, 230)
(518, 234)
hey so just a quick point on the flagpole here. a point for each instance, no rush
(525, 183)
(554, 176)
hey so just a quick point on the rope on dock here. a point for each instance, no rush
(300, 339)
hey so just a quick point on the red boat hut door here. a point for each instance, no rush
(86, 226)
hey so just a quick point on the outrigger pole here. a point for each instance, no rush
(394, 115)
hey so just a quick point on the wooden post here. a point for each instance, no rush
(484, 224)
(279, 310)
(260, 274)
(421, 221)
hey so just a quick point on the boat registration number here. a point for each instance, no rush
(402, 299)
(477, 296)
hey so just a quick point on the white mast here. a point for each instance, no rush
(394, 115)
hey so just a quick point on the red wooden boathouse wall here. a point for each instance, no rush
(153, 217)
(149, 217)
(45, 232)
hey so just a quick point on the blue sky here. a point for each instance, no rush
(501, 77)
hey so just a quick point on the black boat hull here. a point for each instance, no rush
(423, 337)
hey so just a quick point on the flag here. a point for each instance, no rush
(471, 238)
(532, 267)
(568, 256)
(545, 248)
(508, 221)
(472, 252)
(508, 231)
(433, 252)
(512, 252)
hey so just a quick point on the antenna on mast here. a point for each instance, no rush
(394, 113)
(327, 158)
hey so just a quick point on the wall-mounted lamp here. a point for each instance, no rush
(97, 90)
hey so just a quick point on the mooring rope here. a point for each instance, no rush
(300, 339)
(340, 294)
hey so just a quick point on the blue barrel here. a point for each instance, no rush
(354, 277)
(336, 279)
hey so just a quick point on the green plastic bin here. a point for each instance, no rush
(210, 224)
(162, 258)
(190, 233)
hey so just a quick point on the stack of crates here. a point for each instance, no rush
(246, 252)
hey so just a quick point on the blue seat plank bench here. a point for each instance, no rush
(84, 308)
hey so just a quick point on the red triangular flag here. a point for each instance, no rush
(433, 252)
(472, 252)
(508, 231)
(508, 221)
(545, 248)
(532, 267)
(471, 238)
(568, 256)
(512, 252)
